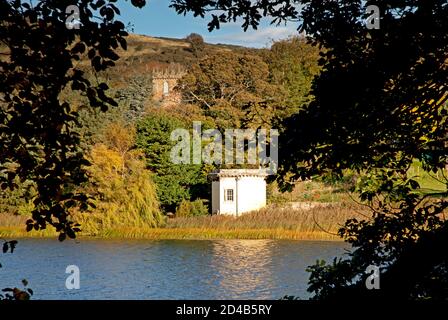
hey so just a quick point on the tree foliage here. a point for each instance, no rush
(123, 192)
(233, 89)
(175, 182)
(381, 100)
(192, 208)
(293, 64)
(197, 45)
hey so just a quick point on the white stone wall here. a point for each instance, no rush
(250, 194)
(227, 207)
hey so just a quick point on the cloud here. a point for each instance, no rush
(253, 38)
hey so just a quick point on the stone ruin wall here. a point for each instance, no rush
(169, 78)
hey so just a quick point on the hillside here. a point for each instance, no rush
(145, 53)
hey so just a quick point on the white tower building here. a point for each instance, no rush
(236, 191)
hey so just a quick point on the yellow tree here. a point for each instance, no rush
(123, 191)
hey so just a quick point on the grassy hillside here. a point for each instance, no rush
(145, 53)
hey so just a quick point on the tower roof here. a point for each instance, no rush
(169, 73)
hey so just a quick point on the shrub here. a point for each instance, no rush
(192, 208)
(20, 200)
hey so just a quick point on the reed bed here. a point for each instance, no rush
(296, 222)
(321, 218)
(14, 226)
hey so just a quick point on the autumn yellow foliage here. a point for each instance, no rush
(123, 191)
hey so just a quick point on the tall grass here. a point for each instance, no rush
(326, 218)
(320, 222)
(429, 182)
(12, 225)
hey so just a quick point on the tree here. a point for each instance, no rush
(232, 88)
(379, 103)
(197, 45)
(175, 182)
(122, 189)
(293, 64)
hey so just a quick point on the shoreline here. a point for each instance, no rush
(179, 234)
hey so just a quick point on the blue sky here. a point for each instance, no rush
(157, 19)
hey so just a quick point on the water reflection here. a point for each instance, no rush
(243, 266)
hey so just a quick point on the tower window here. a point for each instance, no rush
(166, 88)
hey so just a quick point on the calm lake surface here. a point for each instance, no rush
(171, 269)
